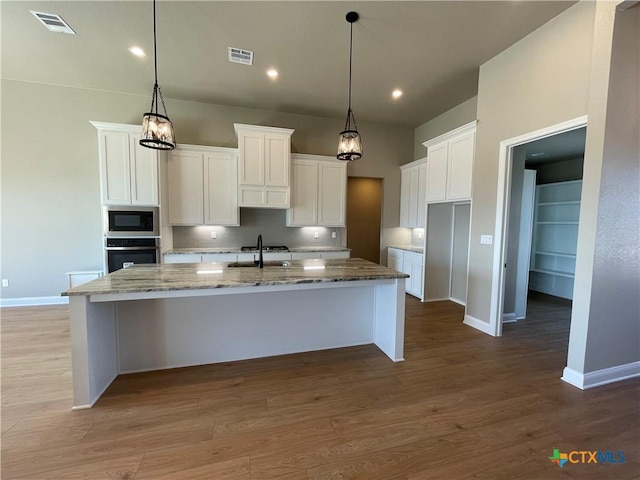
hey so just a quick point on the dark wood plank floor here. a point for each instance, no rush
(463, 405)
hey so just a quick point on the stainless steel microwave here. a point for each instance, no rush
(131, 222)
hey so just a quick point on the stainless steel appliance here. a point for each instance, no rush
(131, 222)
(124, 252)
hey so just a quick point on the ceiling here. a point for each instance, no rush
(431, 50)
(555, 148)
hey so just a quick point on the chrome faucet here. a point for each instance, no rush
(260, 260)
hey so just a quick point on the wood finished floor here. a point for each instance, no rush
(463, 405)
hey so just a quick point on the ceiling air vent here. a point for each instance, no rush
(238, 55)
(53, 22)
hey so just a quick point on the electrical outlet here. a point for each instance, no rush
(486, 239)
(419, 233)
(316, 235)
(333, 234)
(5, 282)
(214, 235)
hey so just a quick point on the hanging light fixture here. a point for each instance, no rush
(157, 129)
(350, 143)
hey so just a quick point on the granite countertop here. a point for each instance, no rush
(197, 276)
(408, 248)
(207, 250)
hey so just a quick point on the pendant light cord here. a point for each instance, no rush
(350, 61)
(155, 53)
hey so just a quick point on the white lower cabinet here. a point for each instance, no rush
(182, 258)
(411, 263)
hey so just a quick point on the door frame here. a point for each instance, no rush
(502, 212)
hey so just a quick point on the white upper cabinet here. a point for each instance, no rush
(128, 171)
(264, 157)
(450, 165)
(319, 192)
(413, 194)
(202, 186)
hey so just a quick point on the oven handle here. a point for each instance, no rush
(131, 248)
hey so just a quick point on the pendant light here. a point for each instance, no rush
(350, 143)
(157, 129)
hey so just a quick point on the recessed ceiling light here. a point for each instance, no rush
(272, 73)
(397, 93)
(137, 51)
(537, 154)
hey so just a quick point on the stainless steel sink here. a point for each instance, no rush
(269, 263)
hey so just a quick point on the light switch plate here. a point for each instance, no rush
(486, 239)
(214, 235)
(333, 234)
(5, 282)
(316, 235)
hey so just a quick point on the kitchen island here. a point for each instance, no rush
(152, 317)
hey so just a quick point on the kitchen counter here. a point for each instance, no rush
(149, 278)
(206, 250)
(408, 248)
(164, 316)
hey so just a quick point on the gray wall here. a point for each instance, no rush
(51, 219)
(454, 118)
(540, 81)
(438, 251)
(605, 326)
(513, 230)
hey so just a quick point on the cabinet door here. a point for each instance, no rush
(277, 160)
(219, 258)
(305, 255)
(251, 156)
(304, 202)
(405, 187)
(437, 173)
(329, 255)
(332, 194)
(394, 259)
(416, 279)
(221, 193)
(186, 188)
(144, 173)
(460, 171)
(115, 165)
(422, 196)
(413, 197)
(182, 258)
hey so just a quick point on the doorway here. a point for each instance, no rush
(543, 188)
(364, 216)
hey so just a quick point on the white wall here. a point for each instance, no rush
(51, 218)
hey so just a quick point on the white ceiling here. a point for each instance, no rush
(431, 50)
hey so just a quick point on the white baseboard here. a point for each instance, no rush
(459, 302)
(33, 301)
(509, 317)
(601, 377)
(426, 300)
(478, 325)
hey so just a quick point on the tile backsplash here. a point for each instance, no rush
(271, 223)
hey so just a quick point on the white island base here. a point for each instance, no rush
(118, 333)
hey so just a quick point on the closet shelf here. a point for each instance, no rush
(553, 272)
(557, 254)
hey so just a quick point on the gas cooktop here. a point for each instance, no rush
(266, 248)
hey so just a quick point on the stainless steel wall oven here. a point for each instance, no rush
(125, 252)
